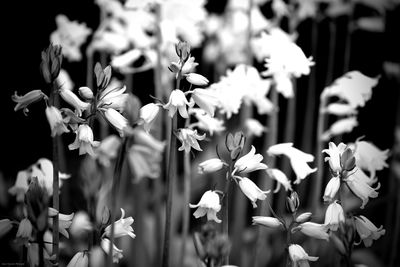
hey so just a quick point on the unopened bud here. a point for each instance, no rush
(102, 76)
(50, 65)
(197, 79)
(105, 216)
(132, 109)
(347, 160)
(292, 202)
(86, 92)
(174, 67)
(304, 217)
(182, 49)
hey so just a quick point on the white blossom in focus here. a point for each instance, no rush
(367, 231)
(209, 205)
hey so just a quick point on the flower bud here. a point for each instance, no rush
(347, 160)
(266, 221)
(235, 144)
(105, 216)
(174, 67)
(131, 109)
(182, 49)
(292, 202)
(211, 165)
(102, 76)
(197, 79)
(86, 92)
(50, 65)
(304, 217)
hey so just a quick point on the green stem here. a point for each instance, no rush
(267, 182)
(186, 198)
(114, 194)
(171, 176)
(225, 211)
(41, 248)
(56, 187)
(316, 196)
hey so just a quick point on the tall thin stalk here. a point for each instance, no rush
(171, 177)
(114, 194)
(56, 186)
(225, 211)
(321, 124)
(186, 198)
(267, 182)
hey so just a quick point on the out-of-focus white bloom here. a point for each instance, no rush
(63, 80)
(251, 190)
(80, 224)
(117, 120)
(332, 188)
(24, 229)
(206, 122)
(353, 87)
(367, 230)
(268, 41)
(369, 157)
(298, 159)
(122, 227)
(299, 257)
(341, 126)
(334, 215)
(73, 100)
(145, 156)
(64, 221)
(113, 96)
(148, 113)
(316, 230)
(80, 259)
(21, 186)
(55, 120)
(197, 79)
(281, 178)
(254, 127)
(107, 150)
(209, 205)
(211, 165)
(206, 100)
(361, 188)
(250, 162)
(335, 153)
(86, 92)
(43, 170)
(280, 8)
(340, 109)
(177, 100)
(189, 138)
(116, 252)
(270, 222)
(84, 140)
(126, 59)
(5, 227)
(70, 35)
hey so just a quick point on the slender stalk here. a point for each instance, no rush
(187, 176)
(267, 182)
(56, 186)
(396, 231)
(186, 199)
(114, 194)
(331, 52)
(225, 212)
(171, 171)
(89, 69)
(316, 195)
(347, 47)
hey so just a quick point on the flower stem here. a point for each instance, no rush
(114, 193)
(316, 196)
(225, 211)
(171, 171)
(186, 198)
(41, 247)
(266, 182)
(56, 187)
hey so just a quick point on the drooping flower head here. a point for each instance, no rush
(367, 231)
(299, 257)
(209, 205)
(251, 190)
(189, 138)
(250, 162)
(122, 227)
(84, 140)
